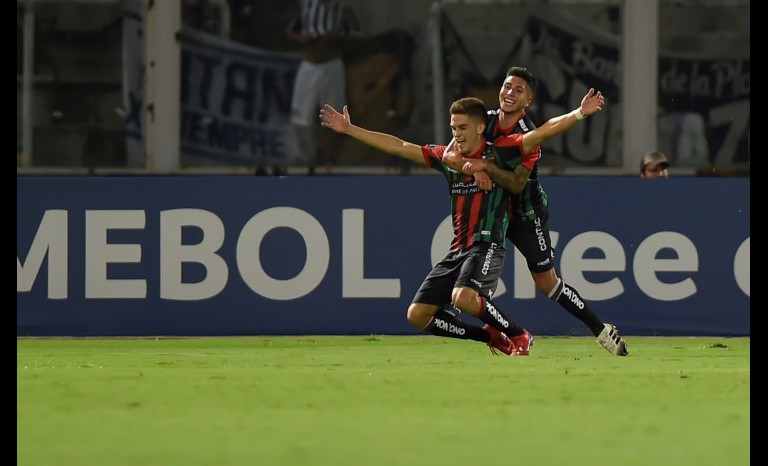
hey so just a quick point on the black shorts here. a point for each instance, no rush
(531, 238)
(478, 268)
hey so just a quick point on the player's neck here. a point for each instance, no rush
(476, 149)
(507, 120)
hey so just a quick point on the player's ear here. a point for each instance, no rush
(480, 128)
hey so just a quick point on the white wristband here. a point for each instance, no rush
(577, 113)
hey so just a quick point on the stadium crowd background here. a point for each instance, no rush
(71, 108)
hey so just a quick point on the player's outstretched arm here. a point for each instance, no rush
(592, 103)
(342, 123)
(515, 180)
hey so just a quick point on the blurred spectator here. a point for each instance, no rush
(654, 164)
(321, 27)
(209, 16)
(684, 135)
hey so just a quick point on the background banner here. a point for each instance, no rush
(238, 255)
(703, 100)
(235, 100)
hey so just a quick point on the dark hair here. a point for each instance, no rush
(523, 73)
(470, 106)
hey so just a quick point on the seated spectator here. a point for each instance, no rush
(654, 164)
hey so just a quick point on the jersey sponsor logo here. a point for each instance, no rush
(448, 327)
(460, 188)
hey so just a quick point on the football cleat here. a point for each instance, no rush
(522, 344)
(499, 341)
(611, 341)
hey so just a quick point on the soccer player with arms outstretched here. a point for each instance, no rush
(468, 275)
(529, 213)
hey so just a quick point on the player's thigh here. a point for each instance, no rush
(439, 283)
(533, 241)
(482, 268)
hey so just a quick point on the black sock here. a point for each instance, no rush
(444, 324)
(567, 296)
(492, 316)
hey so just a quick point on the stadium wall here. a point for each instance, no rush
(344, 255)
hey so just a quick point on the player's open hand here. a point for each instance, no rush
(472, 166)
(592, 103)
(451, 156)
(331, 118)
(484, 181)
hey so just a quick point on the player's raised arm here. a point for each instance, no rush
(342, 123)
(592, 103)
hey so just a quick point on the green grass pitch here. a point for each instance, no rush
(381, 400)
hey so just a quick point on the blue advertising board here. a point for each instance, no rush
(344, 255)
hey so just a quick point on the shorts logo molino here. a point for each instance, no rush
(496, 315)
(573, 297)
(450, 328)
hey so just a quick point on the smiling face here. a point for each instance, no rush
(515, 95)
(467, 124)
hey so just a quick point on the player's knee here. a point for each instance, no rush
(412, 314)
(467, 300)
(418, 317)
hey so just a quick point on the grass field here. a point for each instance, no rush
(381, 400)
